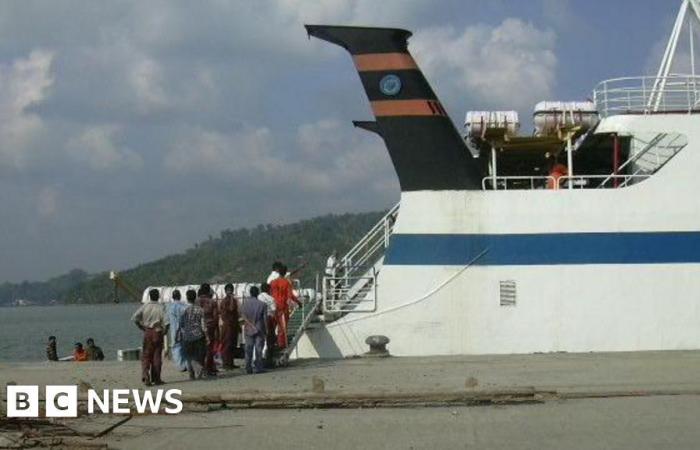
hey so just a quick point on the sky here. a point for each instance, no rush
(130, 130)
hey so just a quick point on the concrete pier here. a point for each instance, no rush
(653, 394)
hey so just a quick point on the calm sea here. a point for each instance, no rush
(23, 331)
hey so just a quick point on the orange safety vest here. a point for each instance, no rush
(558, 171)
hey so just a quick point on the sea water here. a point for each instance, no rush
(25, 330)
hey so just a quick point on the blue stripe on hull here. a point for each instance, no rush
(544, 249)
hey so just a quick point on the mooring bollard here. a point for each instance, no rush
(377, 346)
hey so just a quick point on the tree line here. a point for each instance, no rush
(241, 255)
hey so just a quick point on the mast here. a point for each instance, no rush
(689, 10)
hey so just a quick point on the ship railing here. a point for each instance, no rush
(351, 284)
(599, 181)
(344, 294)
(371, 247)
(577, 181)
(517, 182)
(310, 301)
(648, 95)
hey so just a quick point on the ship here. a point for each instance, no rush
(583, 236)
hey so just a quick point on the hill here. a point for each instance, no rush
(242, 255)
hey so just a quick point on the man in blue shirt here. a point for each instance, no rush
(176, 309)
(254, 314)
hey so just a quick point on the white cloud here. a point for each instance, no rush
(135, 81)
(23, 83)
(342, 155)
(241, 155)
(47, 202)
(145, 76)
(96, 147)
(328, 156)
(509, 66)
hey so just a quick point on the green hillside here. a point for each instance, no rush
(242, 255)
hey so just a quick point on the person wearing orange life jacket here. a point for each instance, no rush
(558, 170)
(79, 354)
(282, 291)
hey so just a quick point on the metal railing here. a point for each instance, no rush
(357, 269)
(346, 294)
(516, 182)
(309, 304)
(598, 181)
(370, 248)
(648, 95)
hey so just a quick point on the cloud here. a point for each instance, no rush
(243, 155)
(95, 147)
(343, 158)
(146, 78)
(509, 66)
(47, 202)
(327, 156)
(24, 83)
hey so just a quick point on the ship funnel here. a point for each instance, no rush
(427, 151)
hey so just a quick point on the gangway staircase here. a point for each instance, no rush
(352, 287)
(299, 321)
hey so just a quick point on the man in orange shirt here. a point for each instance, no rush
(283, 293)
(79, 354)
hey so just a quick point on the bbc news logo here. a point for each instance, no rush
(62, 401)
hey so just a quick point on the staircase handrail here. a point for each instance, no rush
(651, 144)
(286, 353)
(382, 226)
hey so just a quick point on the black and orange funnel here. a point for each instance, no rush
(427, 151)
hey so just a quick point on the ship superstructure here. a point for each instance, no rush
(583, 236)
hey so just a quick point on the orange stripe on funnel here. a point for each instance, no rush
(384, 61)
(408, 108)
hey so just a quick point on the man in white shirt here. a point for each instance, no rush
(271, 337)
(152, 319)
(331, 263)
(275, 274)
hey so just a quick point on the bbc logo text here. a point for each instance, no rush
(62, 401)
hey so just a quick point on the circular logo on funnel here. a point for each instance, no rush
(390, 84)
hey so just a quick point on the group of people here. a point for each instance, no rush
(205, 328)
(80, 354)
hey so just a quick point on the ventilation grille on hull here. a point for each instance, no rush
(508, 293)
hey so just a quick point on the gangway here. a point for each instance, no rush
(353, 288)
(299, 321)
